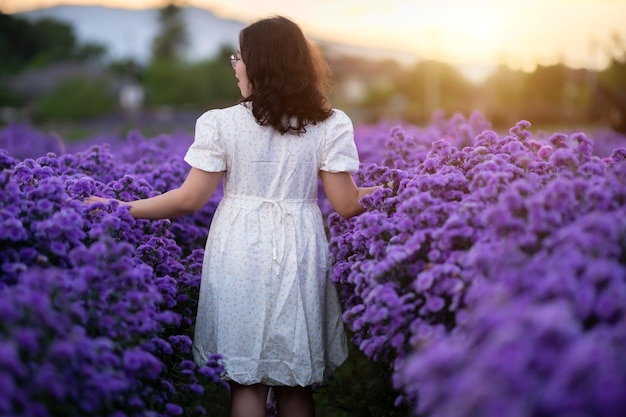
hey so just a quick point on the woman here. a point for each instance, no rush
(266, 303)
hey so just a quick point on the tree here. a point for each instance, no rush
(431, 86)
(614, 75)
(198, 85)
(18, 44)
(172, 38)
(611, 85)
(26, 44)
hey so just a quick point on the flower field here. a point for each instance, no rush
(489, 272)
(97, 308)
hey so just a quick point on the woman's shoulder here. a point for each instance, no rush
(338, 116)
(224, 113)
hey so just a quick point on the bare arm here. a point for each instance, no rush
(189, 198)
(343, 193)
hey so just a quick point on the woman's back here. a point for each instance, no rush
(262, 163)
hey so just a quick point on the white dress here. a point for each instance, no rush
(266, 301)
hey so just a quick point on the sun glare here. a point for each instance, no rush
(474, 34)
(442, 30)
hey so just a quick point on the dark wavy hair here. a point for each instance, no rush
(288, 76)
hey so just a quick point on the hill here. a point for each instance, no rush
(129, 33)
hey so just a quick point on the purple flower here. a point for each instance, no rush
(173, 409)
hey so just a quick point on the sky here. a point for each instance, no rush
(481, 33)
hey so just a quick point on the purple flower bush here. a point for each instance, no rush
(491, 274)
(22, 141)
(394, 145)
(97, 308)
(488, 272)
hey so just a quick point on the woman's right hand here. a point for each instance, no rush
(95, 199)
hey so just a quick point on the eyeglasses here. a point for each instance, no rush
(233, 60)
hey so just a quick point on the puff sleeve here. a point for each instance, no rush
(207, 152)
(340, 152)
